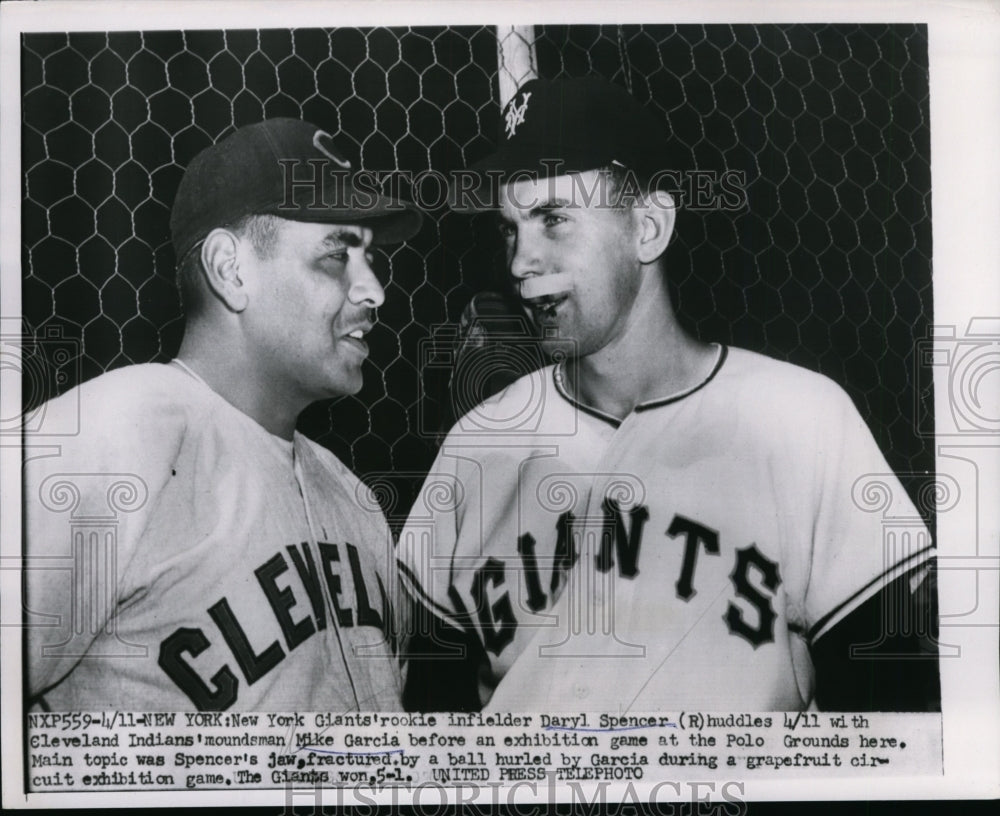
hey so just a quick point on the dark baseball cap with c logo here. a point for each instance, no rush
(283, 167)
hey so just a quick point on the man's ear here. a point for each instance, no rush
(220, 263)
(656, 216)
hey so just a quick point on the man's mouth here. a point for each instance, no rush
(547, 306)
(356, 337)
(544, 294)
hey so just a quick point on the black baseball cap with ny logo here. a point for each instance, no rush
(555, 127)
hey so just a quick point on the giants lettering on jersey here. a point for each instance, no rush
(754, 577)
(220, 692)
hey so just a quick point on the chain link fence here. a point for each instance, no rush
(827, 265)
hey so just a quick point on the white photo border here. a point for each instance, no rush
(965, 146)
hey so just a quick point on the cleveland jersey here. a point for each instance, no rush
(179, 556)
(684, 557)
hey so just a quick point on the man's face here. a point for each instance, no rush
(550, 228)
(310, 305)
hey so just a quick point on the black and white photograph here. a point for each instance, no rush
(399, 401)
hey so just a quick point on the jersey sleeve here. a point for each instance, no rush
(87, 499)
(398, 622)
(429, 541)
(866, 532)
(443, 654)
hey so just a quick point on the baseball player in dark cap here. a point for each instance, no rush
(245, 567)
(654, 522)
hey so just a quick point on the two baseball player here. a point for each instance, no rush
(187, 548)
(654, 522)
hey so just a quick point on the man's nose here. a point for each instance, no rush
(365, 287)
(524, 254)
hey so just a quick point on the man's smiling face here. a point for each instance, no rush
(311, 304)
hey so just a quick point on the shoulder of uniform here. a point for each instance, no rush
(780, 382)
(521, 406)
(133, 420)
(329, 460)
(135, 397)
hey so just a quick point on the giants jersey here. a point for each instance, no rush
(684, 557)
(179, 556)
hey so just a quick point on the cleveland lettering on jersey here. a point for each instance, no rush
(297, 626)
(755, 577)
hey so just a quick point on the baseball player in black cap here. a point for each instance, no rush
(654, 522)
(248, 568)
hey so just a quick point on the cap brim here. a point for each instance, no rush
(392, 220)
(480, 187)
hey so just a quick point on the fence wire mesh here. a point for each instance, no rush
(828, 264)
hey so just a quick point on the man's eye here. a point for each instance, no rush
(506, 230)
(552, 220)
(336, 257)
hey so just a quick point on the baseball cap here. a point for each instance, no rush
(565, 126)
(284, 167)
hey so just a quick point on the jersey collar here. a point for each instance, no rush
(659, 402)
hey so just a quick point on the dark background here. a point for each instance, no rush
(829, 265)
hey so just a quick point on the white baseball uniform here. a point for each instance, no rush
(182, 557)
(684, 557)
